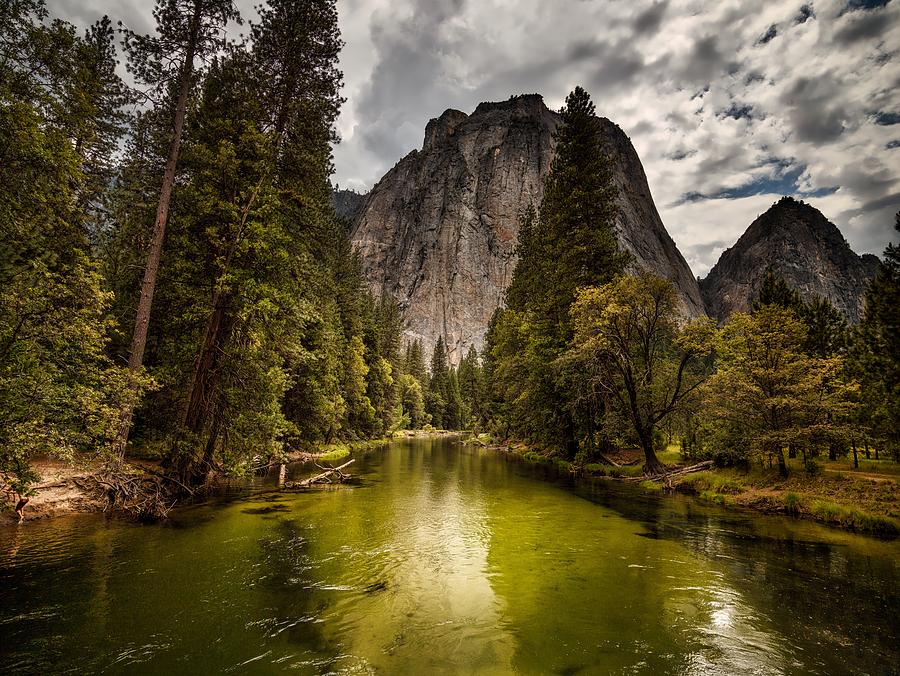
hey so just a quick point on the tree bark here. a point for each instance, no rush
(652, 465)
(782, 465)
(148, 284)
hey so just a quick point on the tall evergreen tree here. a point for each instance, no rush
(570, 244)
(57, 386)
(186, 30)
(877, 353)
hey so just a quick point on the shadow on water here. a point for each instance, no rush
(841, 589)
(447, 559)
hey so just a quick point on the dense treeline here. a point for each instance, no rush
(586, 359)
(173, 278)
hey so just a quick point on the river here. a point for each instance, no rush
(446, 559)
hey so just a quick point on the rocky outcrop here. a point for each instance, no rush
(348, 203)
(439, 230)
(800, 245)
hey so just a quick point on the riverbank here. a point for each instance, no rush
(67, 488)
(864, 499)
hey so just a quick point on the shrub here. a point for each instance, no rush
(813, 467)
(792, 503)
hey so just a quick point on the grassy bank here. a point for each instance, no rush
(867, 502)
(864, 499)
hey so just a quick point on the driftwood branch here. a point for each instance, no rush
(668, 476)
(324, 477)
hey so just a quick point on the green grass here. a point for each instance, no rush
(717, 498)
(334, 452)
(792, 502)
(596, 469)
(651, 486)
(715, 482)
(854, 519)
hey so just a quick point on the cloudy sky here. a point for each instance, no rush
(729, 103)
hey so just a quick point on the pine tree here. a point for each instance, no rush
(414, 363)
(569, 244)
(436, 400)
(877, 350)
(774, 290)
(471, 387)
(58, 389)
(185, 30)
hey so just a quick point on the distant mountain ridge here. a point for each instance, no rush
(801, 245)
(439, 230)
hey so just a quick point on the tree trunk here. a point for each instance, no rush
(866, 446)
(148, 285)
(782, 465)
(792, 450)
(571, 444)
(855, 457)
(202, 386)
(652, 465)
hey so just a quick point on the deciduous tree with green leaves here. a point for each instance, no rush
(631, 352)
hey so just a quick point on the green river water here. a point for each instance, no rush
(447, 559)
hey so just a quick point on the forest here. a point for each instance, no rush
(176, 285)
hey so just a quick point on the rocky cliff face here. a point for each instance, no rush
(803, 247)
(439, 230)
(348, 203)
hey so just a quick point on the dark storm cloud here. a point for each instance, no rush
(649, 21)
(855, 28)
(134, 14)
(610, 65)
(408, 84)
(815, 118)
(705, 62)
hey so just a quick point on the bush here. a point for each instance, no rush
(813, 467)
(792, 503)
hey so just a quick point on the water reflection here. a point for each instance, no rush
(445, 559)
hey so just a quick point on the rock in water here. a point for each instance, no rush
(439, 230)
(800, 245)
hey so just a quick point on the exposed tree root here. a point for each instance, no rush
(146, 496)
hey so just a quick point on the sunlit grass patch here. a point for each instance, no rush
(854, 519)
(792, 502)
(334, 452)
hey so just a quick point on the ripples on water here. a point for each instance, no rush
(445, 559)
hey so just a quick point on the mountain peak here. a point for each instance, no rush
(800, 244)
(439, 231)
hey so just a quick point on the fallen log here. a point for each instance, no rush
(324, 477)
(667, 476)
